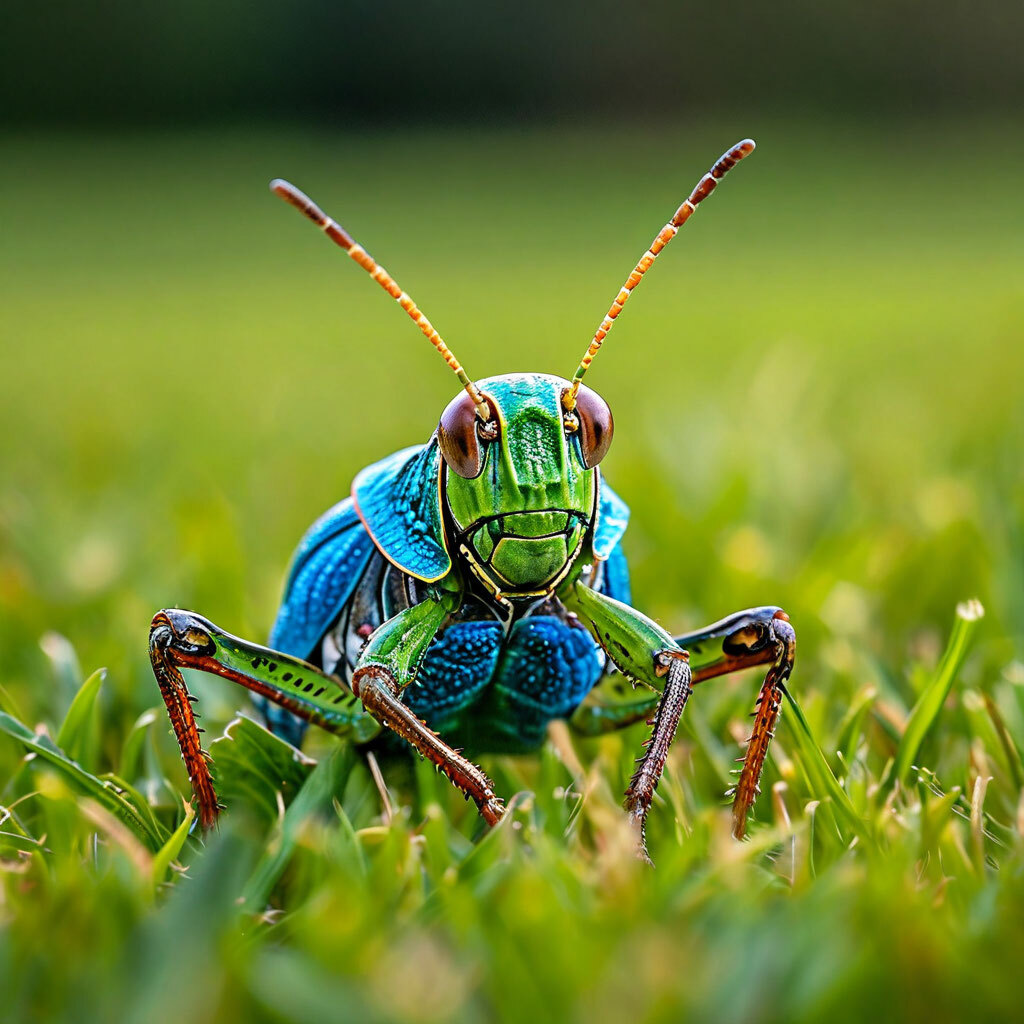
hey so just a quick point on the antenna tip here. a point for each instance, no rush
(297, 198)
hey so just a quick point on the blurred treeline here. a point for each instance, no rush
(375, 61)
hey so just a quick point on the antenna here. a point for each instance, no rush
(704, 188)
(337, 234)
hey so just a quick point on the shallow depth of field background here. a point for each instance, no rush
(818, 403)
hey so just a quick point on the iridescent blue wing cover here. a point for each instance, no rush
(325, 570)
(612, 520)
(399, 500)
(615, 578)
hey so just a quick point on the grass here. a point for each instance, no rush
(818, 404)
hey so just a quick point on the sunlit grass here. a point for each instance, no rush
(818, 404)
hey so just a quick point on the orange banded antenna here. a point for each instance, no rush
(337, 234)
(725, 163)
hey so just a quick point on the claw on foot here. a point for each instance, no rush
(492, 810)
(637, 817)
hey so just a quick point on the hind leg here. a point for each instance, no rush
(180, 639)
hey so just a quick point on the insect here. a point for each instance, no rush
(473, 589)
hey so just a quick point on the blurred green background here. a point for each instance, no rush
(818, 404)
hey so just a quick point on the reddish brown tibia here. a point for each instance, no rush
(730, 663)
(337, 234)
(376, 688)
(167, 660)
(704, 188)
(766, 717)
(183, 720)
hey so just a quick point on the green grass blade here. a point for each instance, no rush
(105, 793)
(131, 764)
(929, 704)
(1008, 747)
(170, 850)
(822, 783)
(936, 813)
(79, 733)
(63, 660)
(138, 802)
(139, 763)
(851, 729)
(315, 798)
(252, 766)
(349, 841)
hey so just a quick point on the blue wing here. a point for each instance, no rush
(612, 520)
(325, 570)
(400, 502)
(615, 576)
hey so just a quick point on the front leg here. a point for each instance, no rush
(643, 651)
(387, 665)
(758, 636)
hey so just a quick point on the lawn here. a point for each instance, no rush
(818, 404)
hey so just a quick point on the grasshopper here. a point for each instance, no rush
(471, 590)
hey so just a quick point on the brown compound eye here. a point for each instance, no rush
(461, 435)
(596, 426)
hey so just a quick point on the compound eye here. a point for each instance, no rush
(462, 434)
(596, 426)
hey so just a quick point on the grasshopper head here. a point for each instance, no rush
(520, 487)
(519, 478)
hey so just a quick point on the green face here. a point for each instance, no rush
(521, 521)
